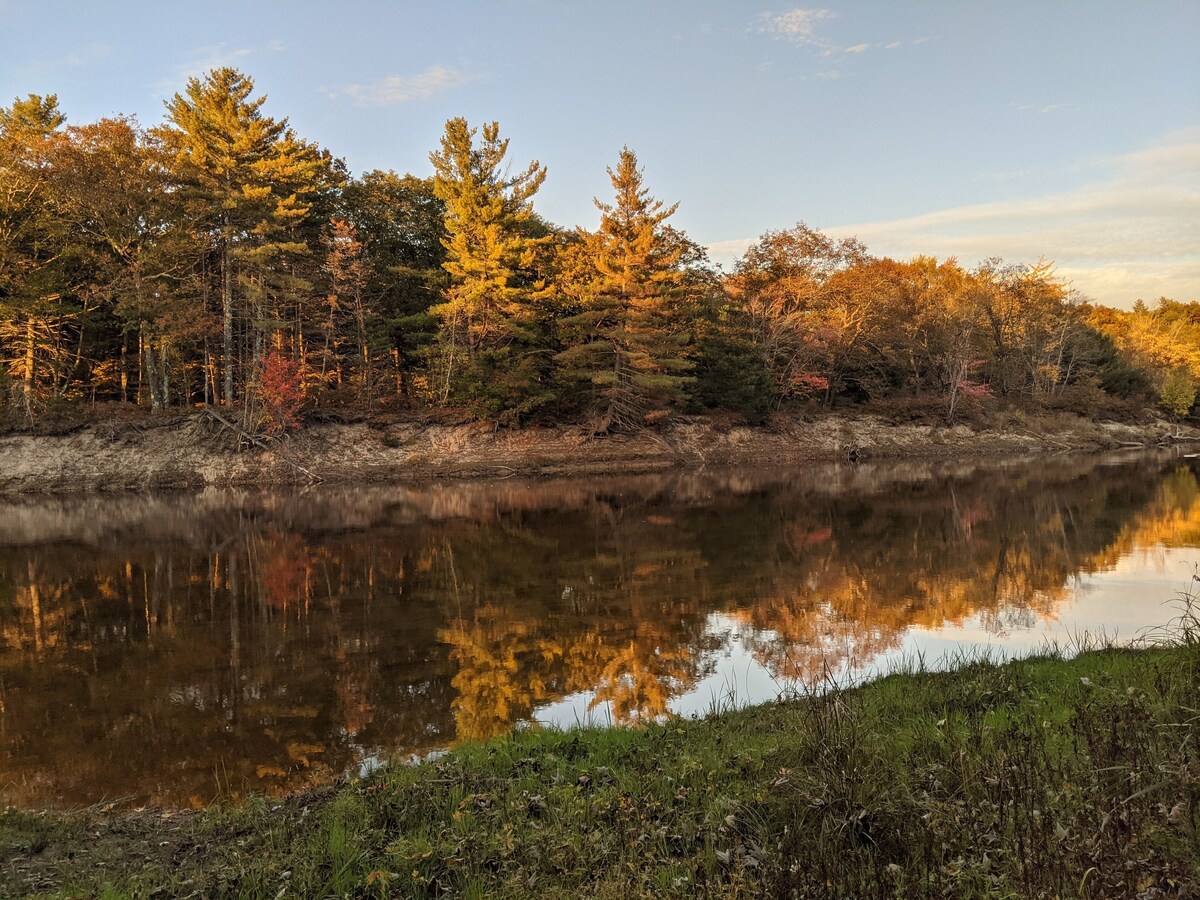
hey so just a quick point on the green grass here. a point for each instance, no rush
(1043, 777)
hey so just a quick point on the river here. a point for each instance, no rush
(177, 648)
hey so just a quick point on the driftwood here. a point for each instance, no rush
(313, 477)
(1163, 440)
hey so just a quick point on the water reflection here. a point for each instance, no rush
(169, 648)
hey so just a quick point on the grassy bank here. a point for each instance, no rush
(1043, 777)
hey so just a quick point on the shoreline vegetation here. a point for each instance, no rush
(194, 449)
(217, 260)
(1052, 775)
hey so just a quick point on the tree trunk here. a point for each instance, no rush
(151, 375)
(227, 314)
(165, 381)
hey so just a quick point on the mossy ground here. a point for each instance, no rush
(1047, 777)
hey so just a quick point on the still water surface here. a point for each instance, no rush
(173, 648)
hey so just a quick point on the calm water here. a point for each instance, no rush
(174, 648)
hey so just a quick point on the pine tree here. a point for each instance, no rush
(629, 336)
(490, 354)
(250, 182)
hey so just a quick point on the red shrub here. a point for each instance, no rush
(281, 392)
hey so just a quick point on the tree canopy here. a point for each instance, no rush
(220, 259)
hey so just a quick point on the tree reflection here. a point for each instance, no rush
(174, 649)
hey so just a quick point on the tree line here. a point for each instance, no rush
(220, 259)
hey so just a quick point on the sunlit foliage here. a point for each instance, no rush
(162, 266)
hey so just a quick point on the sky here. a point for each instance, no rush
(1068, 130)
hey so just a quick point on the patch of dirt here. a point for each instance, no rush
(196, 451)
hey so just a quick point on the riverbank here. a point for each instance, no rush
(196, 450)
(1042, 777)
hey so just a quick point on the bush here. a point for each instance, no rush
(281, 392)
(731, 374)
(1178, 392)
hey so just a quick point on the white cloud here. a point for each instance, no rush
(403, 88)
(795, 25)
(728, 252)
(799, 27)
(1130, 234)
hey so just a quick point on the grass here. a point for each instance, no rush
(1049, 776)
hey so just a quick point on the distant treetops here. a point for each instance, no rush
(218, 258)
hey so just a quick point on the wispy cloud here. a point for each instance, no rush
(203, 59)
(796, 25)
(1045, 108)
(1130, 234)
(402, 88)
(800, 26)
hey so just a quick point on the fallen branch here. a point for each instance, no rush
(259, 442)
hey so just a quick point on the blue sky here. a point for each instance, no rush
(1069, 130)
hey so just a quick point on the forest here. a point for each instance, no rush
(220, 260)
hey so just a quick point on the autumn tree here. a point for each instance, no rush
(117, 197)
(629, 335)
(1161, 341)
(808, 323)
(38, 272)
(489, 354)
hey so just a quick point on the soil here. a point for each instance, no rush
(198, 451)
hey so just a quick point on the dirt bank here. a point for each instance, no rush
(197, 451)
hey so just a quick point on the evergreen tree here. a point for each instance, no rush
(731, 372)
(491, 354)
(629, 335)
(249, 182)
